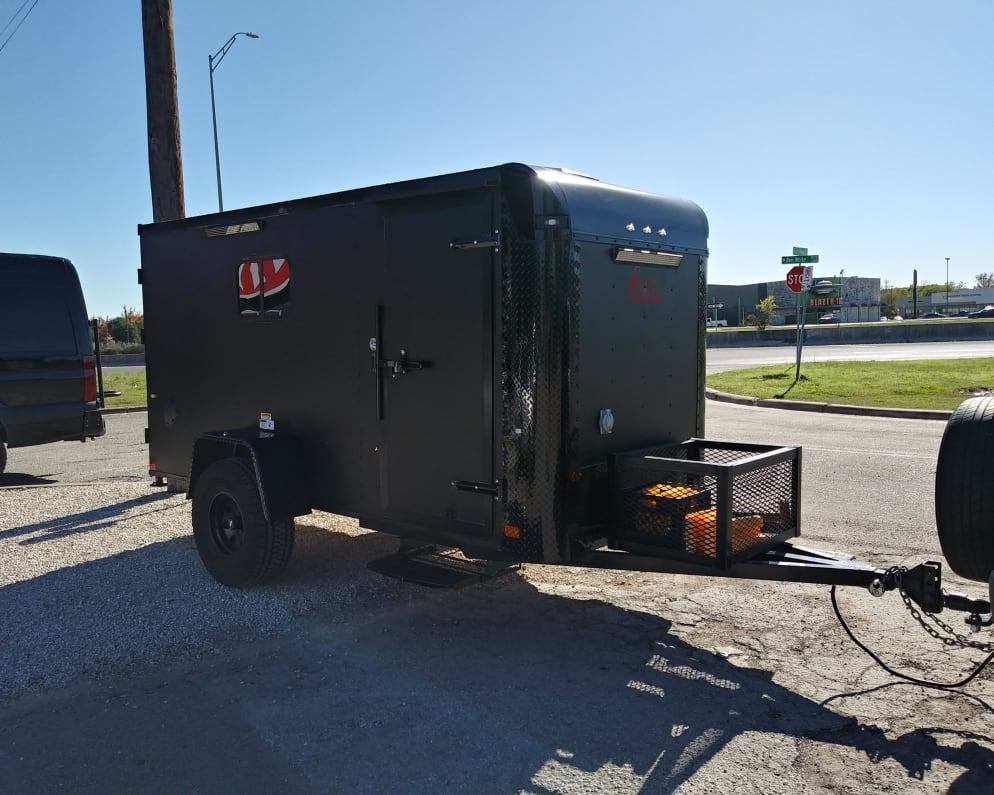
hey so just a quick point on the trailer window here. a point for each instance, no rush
(264, 288)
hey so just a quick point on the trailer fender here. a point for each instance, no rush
(277, 461)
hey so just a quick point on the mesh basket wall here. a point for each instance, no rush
(718, 502)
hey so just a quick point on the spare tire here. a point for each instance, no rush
(964, 490)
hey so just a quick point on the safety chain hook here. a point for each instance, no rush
(951, 638)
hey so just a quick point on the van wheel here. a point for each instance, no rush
(964, 499)
(236, 542)
(3, 457)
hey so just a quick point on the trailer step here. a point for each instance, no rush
(436, 569)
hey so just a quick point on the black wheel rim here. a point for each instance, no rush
(227, 526)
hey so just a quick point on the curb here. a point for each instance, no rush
(828, 408)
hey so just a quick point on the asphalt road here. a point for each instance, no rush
(719, 359)
(123, 667)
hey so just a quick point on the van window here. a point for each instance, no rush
(33, 324)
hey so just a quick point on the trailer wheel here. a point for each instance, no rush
(964, 496)
(236, 542)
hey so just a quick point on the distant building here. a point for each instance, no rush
(855, 298)
(955, 302)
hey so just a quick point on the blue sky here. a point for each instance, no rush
(861, 129)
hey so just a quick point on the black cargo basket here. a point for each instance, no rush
(713, 503)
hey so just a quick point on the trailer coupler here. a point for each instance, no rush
(922, 585)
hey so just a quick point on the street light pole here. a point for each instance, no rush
(842, 297)
(947, 286)
(213, 61)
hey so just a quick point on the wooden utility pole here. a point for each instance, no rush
(165, 163)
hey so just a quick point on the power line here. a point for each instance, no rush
(20, 22)
(16, 14)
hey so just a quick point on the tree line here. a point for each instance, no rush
(122, 331)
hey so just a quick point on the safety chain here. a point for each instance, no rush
(956, 638)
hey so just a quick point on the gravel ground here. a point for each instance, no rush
(124, 667)
(128, 586)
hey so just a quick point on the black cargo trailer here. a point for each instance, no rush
(454, 359)
(508, 361)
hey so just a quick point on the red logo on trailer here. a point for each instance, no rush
(269, 275)
(642, 291)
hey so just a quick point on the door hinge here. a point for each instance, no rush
(480, 241)
(497, 489)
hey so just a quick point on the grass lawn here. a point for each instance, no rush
(934, 384)
(130, 385)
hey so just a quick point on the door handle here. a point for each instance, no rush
(401, 366)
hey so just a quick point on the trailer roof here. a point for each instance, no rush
(597, 207)
(592, 204)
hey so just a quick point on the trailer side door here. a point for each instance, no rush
(435, 367)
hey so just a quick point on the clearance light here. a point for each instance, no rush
(661, 259)
(552, 221)
(512, 531)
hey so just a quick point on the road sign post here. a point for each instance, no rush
(799, 280)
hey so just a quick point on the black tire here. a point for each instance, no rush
(237, 544)
(964, 490)
(3, 457)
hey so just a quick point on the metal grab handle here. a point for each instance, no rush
(401, 366)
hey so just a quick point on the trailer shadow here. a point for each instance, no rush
(336, 674)
(576, 687)
(592, 694)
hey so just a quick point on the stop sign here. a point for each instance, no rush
(795, 278)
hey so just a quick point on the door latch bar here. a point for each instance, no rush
(401, 366)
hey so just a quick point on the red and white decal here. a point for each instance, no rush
(271, 275)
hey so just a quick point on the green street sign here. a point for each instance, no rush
(799, 259)
(800, 251)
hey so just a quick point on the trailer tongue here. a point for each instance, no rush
(509, 362)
